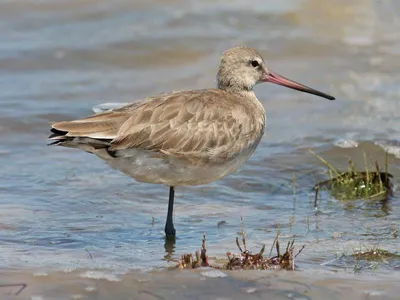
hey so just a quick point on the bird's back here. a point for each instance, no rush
(199, 126)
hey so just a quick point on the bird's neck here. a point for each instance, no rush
(251, 98)
(250, 95)
(247, 94)
(233, 84)
(241, 90)
(234, 88)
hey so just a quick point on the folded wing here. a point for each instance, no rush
(197, 125)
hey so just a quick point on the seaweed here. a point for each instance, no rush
(187, 260)
(245, 260)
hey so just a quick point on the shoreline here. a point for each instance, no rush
(201, 283)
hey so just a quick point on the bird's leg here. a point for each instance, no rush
(169, 225)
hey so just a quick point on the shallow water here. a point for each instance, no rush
(62, 209)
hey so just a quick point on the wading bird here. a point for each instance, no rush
(182, 138)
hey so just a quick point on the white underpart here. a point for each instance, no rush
(143, 166)
(107, 106)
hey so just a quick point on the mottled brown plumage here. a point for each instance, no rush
(186, 137)
(201, 126)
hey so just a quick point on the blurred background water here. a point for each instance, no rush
(65, 209)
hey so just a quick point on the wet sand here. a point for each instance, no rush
(203, 283)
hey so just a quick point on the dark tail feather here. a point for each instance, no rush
(91, 145)
(56, 132)
(57, 136)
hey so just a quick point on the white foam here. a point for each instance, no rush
(214, 274)
(40, 274)
(346, 144)
(374, 293)
(391, 149)
(251, 290)
(100, 275)
(90, 288)
(357, 40)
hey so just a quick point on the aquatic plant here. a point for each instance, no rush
(245, 260)
(351, 185)
(373, 258)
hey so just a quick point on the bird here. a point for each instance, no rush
(182, 138)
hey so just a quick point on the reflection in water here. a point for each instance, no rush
(169, 247)
(378, 209)
(371, 208)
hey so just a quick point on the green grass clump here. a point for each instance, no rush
(352, 185)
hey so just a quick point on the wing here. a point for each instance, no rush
(198, 125)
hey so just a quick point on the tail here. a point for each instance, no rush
(93, 134)
(100, 147)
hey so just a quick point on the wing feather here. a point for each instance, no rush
(192, 124)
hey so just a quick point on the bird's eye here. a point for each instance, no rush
(255, 63)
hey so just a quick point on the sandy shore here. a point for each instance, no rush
(199, 284)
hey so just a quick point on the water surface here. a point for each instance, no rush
(62, 209)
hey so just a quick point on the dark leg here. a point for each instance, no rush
(169, 225)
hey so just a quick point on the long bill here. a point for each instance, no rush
(280, 80)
